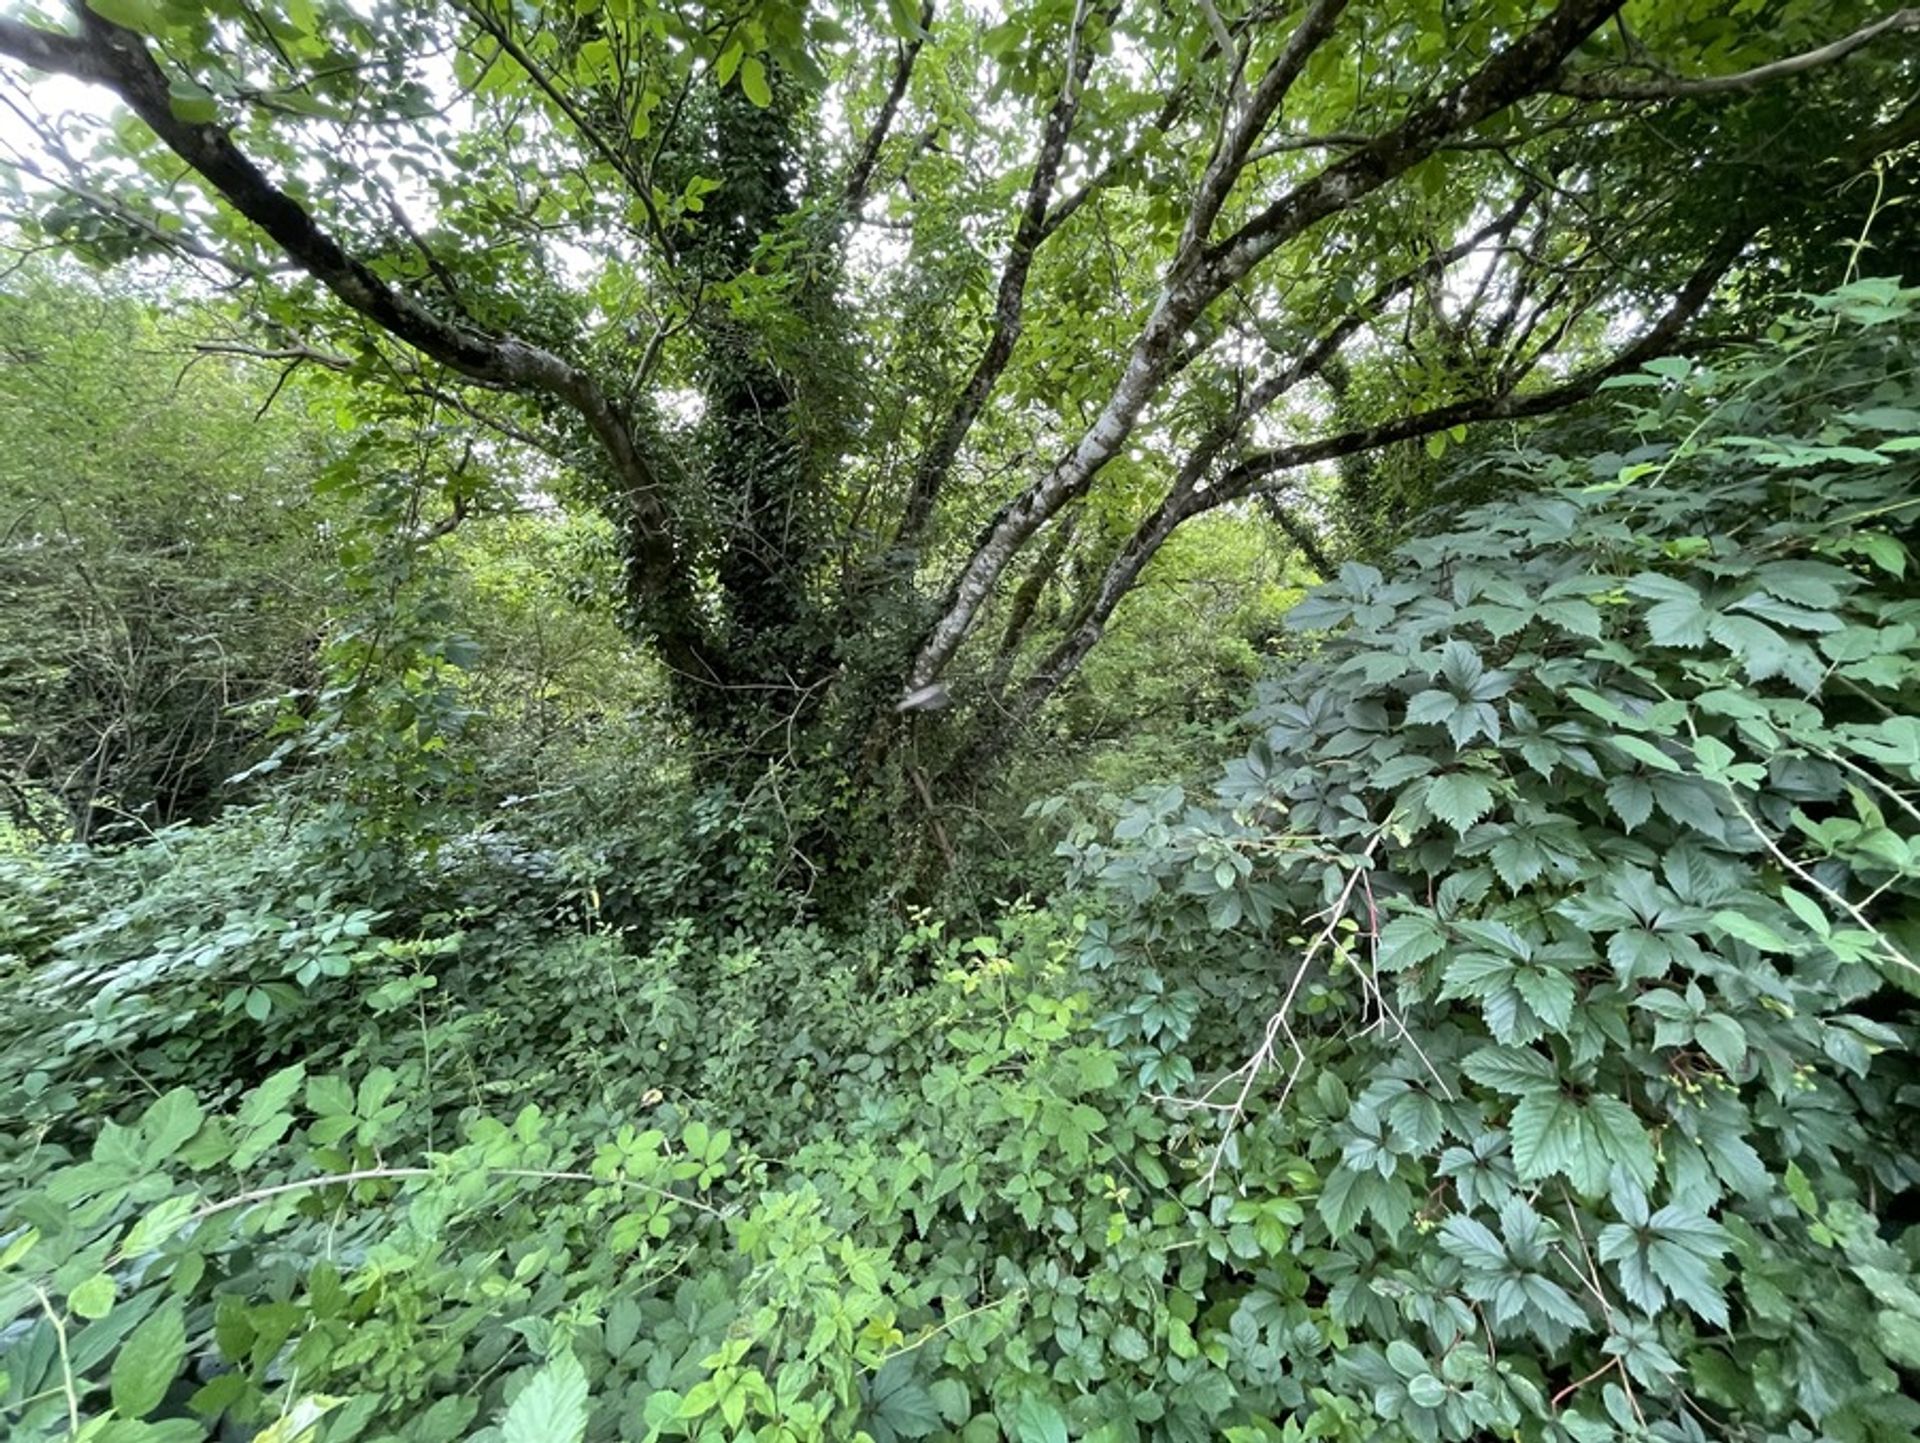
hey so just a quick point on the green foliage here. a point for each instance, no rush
(1578, 874)
(161, 563)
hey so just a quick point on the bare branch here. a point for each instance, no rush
(328, 359)
(1612, 87)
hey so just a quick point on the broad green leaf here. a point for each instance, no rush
(149, 1361)
(753, 82)
(93, 1298)
(1035, 1420)
(1754, 934)
(551, 1407)
(1516, 1071)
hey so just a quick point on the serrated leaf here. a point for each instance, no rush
(1723, 1039)
(1541, 1129)
(1516, 1071)
(1548, 993)
(169, 1123)
(1632, 801)
(1035, 1420)
(1459, 799)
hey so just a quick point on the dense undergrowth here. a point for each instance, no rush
(1515, 1042)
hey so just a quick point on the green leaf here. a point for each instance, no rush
(1516, 1071)
(1899, 1337)
(1678, 616)
(1754, 934)
(144, 16)
(1035, 1420)
(149, 1361)
(93, 1298)
(192, 104)
(753, 82)
(1459, 799)
(1542, 1129)
(899, 1400)
(329, 1096)
(169, 1124)
(1723, 1039)
(1644, 752)
(551, 1408)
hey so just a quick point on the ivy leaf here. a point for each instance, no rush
(552, 1407)
(1459, 799)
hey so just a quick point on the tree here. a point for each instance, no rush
(844, 346)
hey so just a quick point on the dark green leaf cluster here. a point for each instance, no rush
(1578, 874)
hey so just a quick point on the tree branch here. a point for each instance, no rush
(1186, 499)
(1200, 273)
(861, 176)
(1608, 87)
(118, 58)
(936, 461)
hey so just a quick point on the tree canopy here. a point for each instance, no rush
(857, 320)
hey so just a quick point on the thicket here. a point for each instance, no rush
(1515, 1041)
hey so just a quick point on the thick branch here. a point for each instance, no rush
(1612, 87)
(1511, 75)
(1186, 500)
